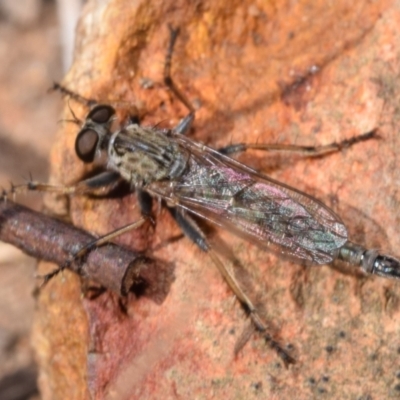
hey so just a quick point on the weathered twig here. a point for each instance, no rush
(112, 266)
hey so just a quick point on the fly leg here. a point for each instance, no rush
(185, 124)
(83, 251)
(104, 181)
(194, 233)
(167, 72)
(145, 203)
(309, 151)
(101, 182)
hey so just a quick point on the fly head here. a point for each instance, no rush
(90, 139)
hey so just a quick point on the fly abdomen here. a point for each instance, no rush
(370, 261)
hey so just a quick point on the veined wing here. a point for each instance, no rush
(264, 211)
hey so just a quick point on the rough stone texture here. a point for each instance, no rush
(307, 73)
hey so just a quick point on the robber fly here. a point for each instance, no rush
(193, 179)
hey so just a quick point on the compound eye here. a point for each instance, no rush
(101, 114)
(86, 145)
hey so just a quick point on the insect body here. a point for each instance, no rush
(195, 180)
(202, 181)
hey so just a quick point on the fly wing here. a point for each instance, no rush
(266, 212)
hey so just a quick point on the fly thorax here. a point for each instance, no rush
(143, 155)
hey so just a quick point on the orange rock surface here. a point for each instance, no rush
(304, 73)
